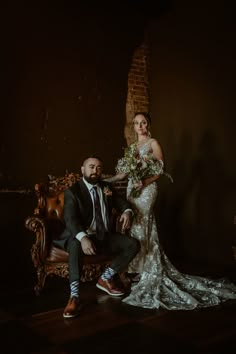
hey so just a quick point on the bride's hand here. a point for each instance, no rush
(138, 185)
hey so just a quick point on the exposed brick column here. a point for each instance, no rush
(138, 97)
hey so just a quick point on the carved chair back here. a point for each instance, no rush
(47, 223)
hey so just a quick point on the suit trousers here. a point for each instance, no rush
(122, 247)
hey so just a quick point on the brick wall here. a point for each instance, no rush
(138, 97)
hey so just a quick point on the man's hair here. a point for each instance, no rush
(92, 156)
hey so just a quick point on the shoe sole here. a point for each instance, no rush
(107, 291)
(72, 316)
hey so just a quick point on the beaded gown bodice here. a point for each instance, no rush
(161, 285)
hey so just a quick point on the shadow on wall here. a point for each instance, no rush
(212, 191)
(195, 214)
(171, 202)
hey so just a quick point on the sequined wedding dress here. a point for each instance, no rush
(161, 285)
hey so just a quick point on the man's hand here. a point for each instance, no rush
(125, 221)
(88, 246)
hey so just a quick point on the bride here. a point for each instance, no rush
(160, 284)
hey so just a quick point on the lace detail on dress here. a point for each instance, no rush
(161, 285)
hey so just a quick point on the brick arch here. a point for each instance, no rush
(138, 96)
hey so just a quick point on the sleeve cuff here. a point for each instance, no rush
(129, 210)
(80, 235)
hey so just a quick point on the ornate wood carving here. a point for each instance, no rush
(39, 223)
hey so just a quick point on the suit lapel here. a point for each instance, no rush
(84, 200)
(107, 200)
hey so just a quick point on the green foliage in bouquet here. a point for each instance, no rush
(138, 167)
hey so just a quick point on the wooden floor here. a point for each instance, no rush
(30, 324)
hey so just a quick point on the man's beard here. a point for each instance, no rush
(92, 179)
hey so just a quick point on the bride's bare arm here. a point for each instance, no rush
(116, 178)
(156, 150)
(149, 180)
(157, 153)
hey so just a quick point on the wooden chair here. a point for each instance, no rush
(47, 222)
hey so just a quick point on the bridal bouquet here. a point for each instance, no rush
(138, 167)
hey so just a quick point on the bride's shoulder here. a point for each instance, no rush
(153, 141)
(156, 149)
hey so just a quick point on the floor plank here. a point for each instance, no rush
(106, 325)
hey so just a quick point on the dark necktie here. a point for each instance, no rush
(100, 228)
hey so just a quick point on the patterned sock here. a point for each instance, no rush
(108, 274)
(74, 289)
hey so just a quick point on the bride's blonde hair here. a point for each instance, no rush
(146, 115)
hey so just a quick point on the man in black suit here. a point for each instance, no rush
(87, 216)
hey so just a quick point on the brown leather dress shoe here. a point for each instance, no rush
(109, 287)
(72, 309)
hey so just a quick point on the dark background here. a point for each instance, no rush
(193, 110)
(64, 70)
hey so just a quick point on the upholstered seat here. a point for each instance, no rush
(47, 223)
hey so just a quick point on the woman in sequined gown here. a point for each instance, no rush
(161, 285)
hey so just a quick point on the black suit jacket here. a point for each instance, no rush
(78, 209)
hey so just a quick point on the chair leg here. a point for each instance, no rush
(41, 275)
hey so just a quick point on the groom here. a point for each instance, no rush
(87, 214)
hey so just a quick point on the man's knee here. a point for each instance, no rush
(135, 244)
(74, 247)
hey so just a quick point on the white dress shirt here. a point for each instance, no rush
(92, 227)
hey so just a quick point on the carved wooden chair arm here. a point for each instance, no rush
(39, 249)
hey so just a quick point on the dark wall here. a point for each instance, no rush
(64, 71)
(193, 113)
(64, 87)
